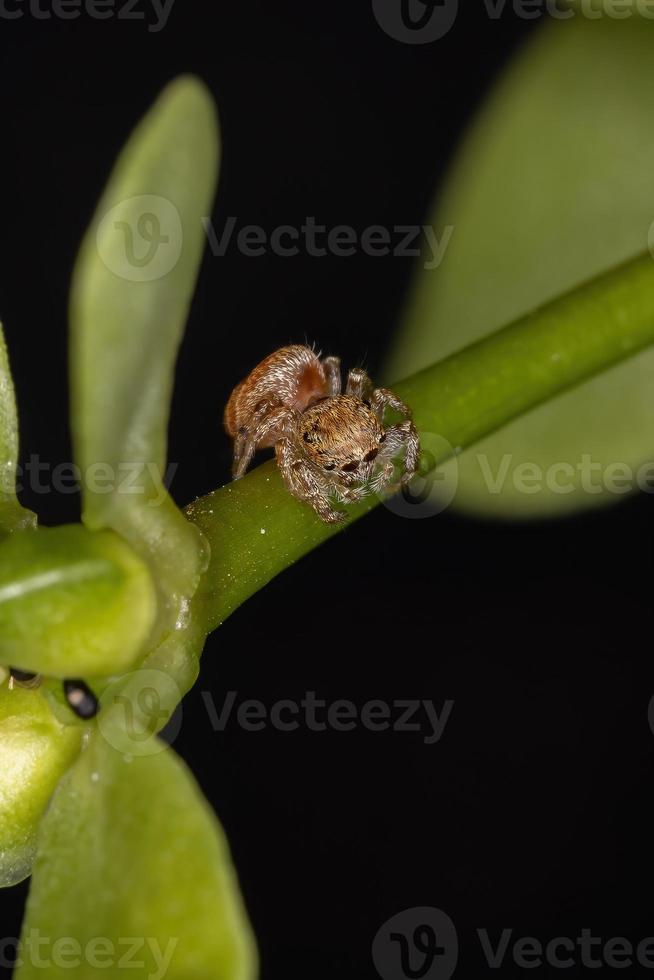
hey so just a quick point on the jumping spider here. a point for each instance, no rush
(328, 444)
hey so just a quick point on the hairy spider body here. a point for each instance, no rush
(328, 445)
(293, 377)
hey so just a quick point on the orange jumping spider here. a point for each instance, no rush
(328, 445)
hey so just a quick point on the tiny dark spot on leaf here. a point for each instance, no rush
(81, 699)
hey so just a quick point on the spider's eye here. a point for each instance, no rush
(330, 466)
(350, 467)
(307, 437)
(368, 458)
(382, 437)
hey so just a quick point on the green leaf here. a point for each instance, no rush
(130, 296)
(256, 529)
(12, 515)
(35, 750)
(129, 848)
(73, 602)
(552, 185)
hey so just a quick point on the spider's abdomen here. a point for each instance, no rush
(292, 376)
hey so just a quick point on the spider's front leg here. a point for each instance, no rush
(332, 369)
(268, 422)
(401, 440)
(305, 481)
(383, 398)
(359, 384)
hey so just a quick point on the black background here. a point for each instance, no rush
(534, 811)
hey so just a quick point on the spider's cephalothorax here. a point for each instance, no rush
(328, 445)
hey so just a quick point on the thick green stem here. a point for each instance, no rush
(256, 529)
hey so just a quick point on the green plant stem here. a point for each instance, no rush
(256, 529)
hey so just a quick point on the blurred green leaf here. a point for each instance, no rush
(256, 529)
(35, 750)
(129, 848)
(552, 185)
(130, 296)
(12, 515)
(73, 602)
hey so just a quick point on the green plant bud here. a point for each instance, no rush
(35, 750)
(73, 603)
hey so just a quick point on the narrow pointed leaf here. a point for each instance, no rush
(553, 185)
(136, 851)
(131, 292)
(12, 515)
